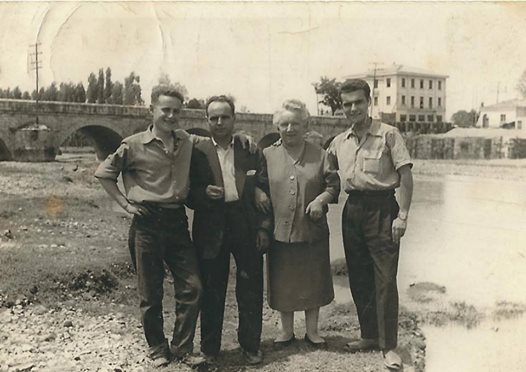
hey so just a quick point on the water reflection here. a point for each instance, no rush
(469, 235)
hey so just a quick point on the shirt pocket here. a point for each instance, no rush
(372, 158)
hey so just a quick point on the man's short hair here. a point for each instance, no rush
(221, 98)
(353, 85)
(165, 90)
(292, 105)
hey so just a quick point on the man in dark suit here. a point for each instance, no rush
(227, 222)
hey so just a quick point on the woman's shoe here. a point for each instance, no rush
(318, 345)
(285, 343)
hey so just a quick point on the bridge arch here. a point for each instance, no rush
(104, 140)
(4, 152)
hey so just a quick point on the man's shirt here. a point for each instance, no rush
(226, 161)
(372, 163)
(150, 173)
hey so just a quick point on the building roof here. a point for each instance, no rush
(509, 104)
(395, 69)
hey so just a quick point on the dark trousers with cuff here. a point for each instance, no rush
(372, 262)
(159, 238)
(239, 241)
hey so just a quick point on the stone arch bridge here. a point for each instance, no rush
(106, 125)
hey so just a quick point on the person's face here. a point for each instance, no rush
(220, 119)
(292, 128)
(355, 106)
(166, 112)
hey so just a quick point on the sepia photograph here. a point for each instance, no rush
(262, 186)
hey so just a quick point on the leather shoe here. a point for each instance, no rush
(363, 344)
(191, 360)
(317, 345)
(392, 361)
(282, 344)
(253, 358)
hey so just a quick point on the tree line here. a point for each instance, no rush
(101, 89)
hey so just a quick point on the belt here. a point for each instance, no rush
(162, 208)
(371, 193)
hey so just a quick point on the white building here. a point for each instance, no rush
(406, 94)
(507, 114)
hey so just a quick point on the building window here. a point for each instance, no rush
(439, 102)
(412, 101)
(376, 83)
(439, 85)
(403, 100)
(430, 102)
(376, 101)
(388, 100)
(412, 117)
(421, 84)
(430, 84)
(412, 83)
(430, 118)
(421, 118)
(403, 82)
(388, 82)
(502, 118)
(519, 124)
(403, 118)
(439, 118)
(421, 102)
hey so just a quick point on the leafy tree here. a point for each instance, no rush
(80, 93)
(26, 96)
(329, 89)
(100, 86)
(521, 84)
(132, 90)
(464, 119)
(17, 93)
(164, 80)
(195, 103)
(116, 94)
(108, 86)
(51, 93)
(92, 92)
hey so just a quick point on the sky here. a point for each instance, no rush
(263, 53)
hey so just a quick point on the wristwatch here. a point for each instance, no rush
(402, 215)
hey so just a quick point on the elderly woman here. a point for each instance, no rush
(301, 182)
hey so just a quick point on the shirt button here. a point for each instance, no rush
(292, 192)
(292, 178)
(292, 207)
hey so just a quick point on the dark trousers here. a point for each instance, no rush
(239, 241)
(372, 262)
(161, 238)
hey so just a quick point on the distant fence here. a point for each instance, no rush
(444, 147)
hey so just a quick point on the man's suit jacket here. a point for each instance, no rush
(209, 215)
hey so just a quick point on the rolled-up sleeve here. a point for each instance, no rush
(399, 153)
(114, 164)
(332, 179)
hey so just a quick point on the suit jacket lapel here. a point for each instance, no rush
(240, 158)
(213, 160)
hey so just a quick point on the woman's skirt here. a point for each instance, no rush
(299, 276)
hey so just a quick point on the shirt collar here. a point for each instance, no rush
(374, 130)
(217, 145)
(148, 135)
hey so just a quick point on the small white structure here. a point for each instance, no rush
(509, 114)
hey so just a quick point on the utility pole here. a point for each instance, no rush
(36, 65)
(374, 83)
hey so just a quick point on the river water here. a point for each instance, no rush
(469, 235)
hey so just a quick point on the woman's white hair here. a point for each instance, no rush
(294, 106)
